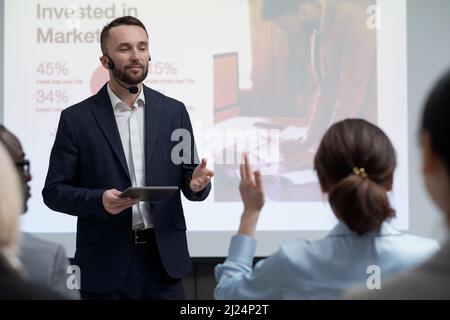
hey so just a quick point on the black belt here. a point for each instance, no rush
(144, 236)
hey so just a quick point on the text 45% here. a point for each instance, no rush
(53, 68)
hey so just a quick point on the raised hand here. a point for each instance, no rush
(252, 194)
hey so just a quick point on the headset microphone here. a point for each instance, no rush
(132, 89)
(111, 66)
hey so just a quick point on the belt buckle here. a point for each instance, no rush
(137, 239)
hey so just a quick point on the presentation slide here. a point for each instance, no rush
(252, 80)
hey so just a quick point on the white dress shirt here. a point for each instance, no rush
(320, 269)
(130, 122)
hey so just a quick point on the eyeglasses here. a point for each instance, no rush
(24, 166)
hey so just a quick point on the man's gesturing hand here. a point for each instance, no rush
(200, 177)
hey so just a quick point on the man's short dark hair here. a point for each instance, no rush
(121, 21)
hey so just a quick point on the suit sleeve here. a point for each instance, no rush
(60, 192)
(188, 168)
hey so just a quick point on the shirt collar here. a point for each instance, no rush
(341, 229)
(118, 104)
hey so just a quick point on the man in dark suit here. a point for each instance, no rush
(126, 135)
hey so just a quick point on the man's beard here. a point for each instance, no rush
(125, 77)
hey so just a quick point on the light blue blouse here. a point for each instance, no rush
(322, 269)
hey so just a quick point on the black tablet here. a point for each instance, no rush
(149, 193)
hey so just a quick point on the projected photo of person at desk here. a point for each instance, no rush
(313, 63)
(287, 175)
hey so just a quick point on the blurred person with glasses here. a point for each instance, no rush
(44, 263)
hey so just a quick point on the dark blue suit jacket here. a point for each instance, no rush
(87, 158)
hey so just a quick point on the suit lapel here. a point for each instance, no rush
(153, 110)
(104, 115)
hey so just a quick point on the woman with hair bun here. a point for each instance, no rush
(355, 164)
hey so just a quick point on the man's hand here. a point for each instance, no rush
(200, 177)
(252, 194)
(114, 204)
